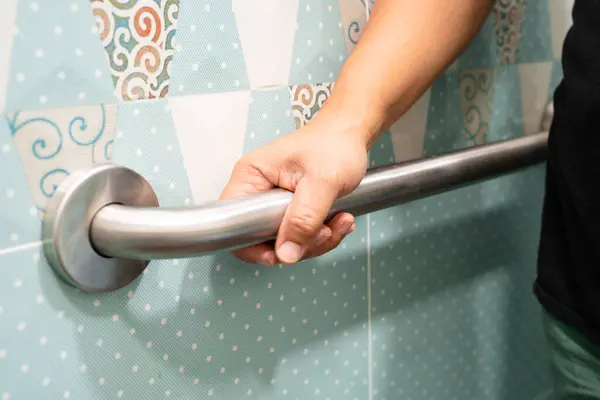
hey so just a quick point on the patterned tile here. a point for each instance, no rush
(138, 39)
(475, 90)
(560, 22)
(354, 19)
(536, 89)
(307, 100)
(7, 32)
(57, 59)
(259, 333)
(19, 219)
(408, 133)
(319, 46)
(209, 56)
(210, 152)
(536, 39)
(53, 143)
(267, 30)
(508, 18)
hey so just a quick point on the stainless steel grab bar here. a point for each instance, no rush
(102, 225)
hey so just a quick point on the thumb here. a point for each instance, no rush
(304, 218)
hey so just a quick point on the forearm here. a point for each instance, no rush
(405, 46)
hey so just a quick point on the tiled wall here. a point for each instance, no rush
(429, 300)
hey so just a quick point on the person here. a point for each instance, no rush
(405, 46)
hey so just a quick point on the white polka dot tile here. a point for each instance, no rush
(54, 143)
(19, 216)
(428, 300)
(56, 56)
(319, 46)
(208, 51)
(138, 37)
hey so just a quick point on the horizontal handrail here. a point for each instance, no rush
(156, 233)
(103, 225)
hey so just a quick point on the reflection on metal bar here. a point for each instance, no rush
(155, 233)
(103, 225)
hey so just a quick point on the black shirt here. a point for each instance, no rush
(568, 283)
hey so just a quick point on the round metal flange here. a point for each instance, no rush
(66, 226)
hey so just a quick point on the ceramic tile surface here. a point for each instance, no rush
(138, 39)
(427, 300)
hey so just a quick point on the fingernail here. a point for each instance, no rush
(324, 235)
(290, 252)
(347, 228)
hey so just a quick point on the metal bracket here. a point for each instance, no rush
(67, 221)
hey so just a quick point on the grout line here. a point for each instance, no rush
(24, 246)
(369, 322)
(369, 299)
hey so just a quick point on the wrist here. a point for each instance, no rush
(364, 122)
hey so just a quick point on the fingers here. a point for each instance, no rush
(341, 226)
(258, 254)
(329, 237)
(245, 179)
(304, 219)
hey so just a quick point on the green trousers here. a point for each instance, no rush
(575, 362)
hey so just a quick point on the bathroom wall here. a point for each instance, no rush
(429, 300)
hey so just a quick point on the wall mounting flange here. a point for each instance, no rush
(66, 226)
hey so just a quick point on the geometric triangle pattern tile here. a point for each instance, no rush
(319, 47)
(138, 39)
(208, 53)
(231, 330)
(506, 119)
(508, 19)
(7, 32)
(19, 217)
(267, 29)
(424, 300)
(483, 52)
(445, 128)
(536, 89)
(536, 39)
(210, 129)
(560, 21)
(56, 58)
(408, 132)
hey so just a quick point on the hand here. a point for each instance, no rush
(319, 163)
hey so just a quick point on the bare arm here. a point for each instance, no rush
(405, 46)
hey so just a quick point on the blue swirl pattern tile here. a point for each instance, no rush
(57, 58)
(53, 143)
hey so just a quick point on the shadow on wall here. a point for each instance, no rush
(218, 320)
(466, 327)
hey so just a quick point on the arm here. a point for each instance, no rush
(405, 46)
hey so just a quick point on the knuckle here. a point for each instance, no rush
(306, 222)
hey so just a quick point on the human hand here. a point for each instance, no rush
(320, 162)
